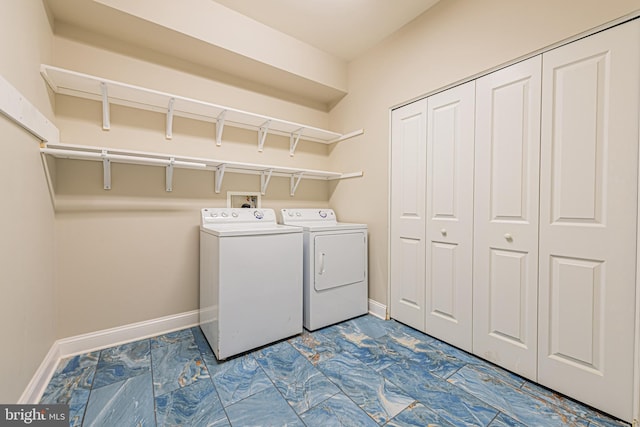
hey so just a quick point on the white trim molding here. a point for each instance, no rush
(41, 378)
(377, 309)
(98, 340)
(15, 106)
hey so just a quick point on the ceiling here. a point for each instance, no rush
(343, 28)
(296, 50)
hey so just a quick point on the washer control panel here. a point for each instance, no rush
(292, 216)
(233, 216)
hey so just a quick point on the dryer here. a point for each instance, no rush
(335, 284)
(250, 279)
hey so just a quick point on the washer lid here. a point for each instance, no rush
(225, 230)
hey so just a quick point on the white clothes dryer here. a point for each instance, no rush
(335, 266)
(250, 279)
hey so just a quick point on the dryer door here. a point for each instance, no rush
(340, 259)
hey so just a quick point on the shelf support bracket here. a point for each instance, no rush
(294, 138)
(262, 134)
(265, 177)
(295, 181)
(220, 127)
(106, 120)
(219, 177)
(170, 119)
(169, 175)
(106, 170)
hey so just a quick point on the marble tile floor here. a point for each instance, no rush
(363, 372)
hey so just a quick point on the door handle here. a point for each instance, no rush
(508, 237)
(322, 255)
(443, 231)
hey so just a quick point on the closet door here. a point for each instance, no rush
(450, 215)
(408, 158)
(506, 217)
(588, 208)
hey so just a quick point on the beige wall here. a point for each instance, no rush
(454, 40)
(132, 253)
(27, 301)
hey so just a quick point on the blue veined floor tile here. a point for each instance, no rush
(171, 338)
(319, 345)
(596, 419)
(266, 408)
(434, 360)
(124, 403)
(502, 420)
(449, 401)
(122, 362)
(177, 365)
(71, 383)
(205, 350)
(492, 370)
(77, 402)
(418, 415)
(301, 384)
(71, 373)
(337, 411)
(456, 352)
(512, 401)
(368, 325)
(239, 378)
(371, 351)
(194, 405)
(378, 397)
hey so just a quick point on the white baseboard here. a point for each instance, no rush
(122, 334)
(41, 378)
(98, 340)
(377, 309)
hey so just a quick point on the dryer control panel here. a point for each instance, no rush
(293, 216)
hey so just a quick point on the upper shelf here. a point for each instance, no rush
(72, 83)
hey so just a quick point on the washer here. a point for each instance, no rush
(250, 279)
(335, 266)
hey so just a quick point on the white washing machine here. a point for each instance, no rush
(250, 279)
(335, 266)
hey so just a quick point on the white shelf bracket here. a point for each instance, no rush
(106, 120)
(219, 177)
(106, 170)
(169, 175)
(262, 134)
(295, 181)
(265, 177)
(170, 119)
(294, 138)
(220, 127)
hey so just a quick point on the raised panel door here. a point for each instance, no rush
(588, 208)
(408, 158)
(449, 215)
(506, 216)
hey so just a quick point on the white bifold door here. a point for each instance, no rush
(449, 215)
(505, 294)
(588, 207)
(407, 241)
